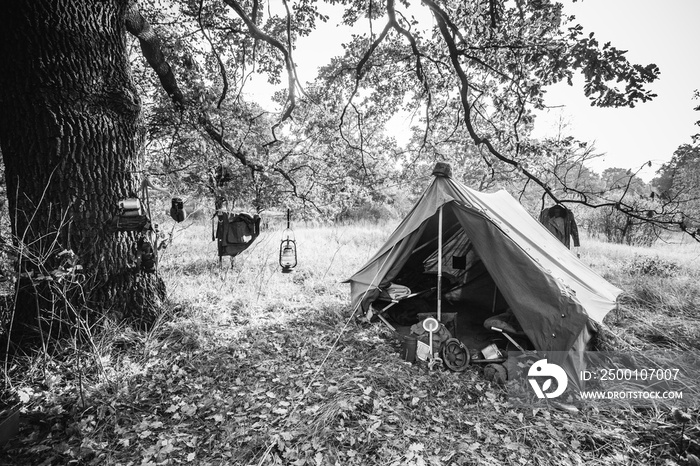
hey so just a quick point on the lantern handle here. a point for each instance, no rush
(288, 232)
(289, 228)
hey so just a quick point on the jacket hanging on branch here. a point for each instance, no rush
(235, 232)
(561, 223)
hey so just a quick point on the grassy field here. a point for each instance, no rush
(249, 366)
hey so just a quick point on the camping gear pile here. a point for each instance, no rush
(482, 256)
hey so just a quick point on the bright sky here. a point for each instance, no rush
(653, 31)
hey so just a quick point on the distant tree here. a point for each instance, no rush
(678, 186)
(561, 162)
(624, 181)
(696, 136)
(613, 224)
(681, 173)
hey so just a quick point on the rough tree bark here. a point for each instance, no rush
(70, 139)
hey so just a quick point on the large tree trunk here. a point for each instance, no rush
(70, 139)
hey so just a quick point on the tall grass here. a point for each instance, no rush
(250, 291)
(257, 362)
(661, 284)
(660, 304)
(253, 282)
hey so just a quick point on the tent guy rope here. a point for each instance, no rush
(307, 389)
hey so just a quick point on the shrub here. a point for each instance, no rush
(619, 228)
(368, 212)
(653, 266)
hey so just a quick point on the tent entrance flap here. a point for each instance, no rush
(467, 290)
(551, 319)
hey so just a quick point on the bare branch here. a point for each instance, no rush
(217, 136)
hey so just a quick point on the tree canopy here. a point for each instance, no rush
(470, 74)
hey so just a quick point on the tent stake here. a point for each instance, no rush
(439, 274)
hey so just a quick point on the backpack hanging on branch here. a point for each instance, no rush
(234, 233)
(177, 209)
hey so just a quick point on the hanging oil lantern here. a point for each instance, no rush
(288, 249)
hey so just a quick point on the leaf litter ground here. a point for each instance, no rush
(265, 396)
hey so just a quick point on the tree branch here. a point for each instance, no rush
(222, 67)
(151, 49)
(259, 34)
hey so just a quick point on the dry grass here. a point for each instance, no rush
(252, 366)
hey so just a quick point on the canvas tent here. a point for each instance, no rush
(495, 255)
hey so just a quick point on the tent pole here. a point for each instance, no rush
(439, 274)
(495, 294)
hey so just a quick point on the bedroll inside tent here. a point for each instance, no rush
(496, 259)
